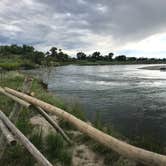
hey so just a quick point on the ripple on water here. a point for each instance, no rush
(132, 100)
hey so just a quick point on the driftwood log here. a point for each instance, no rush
(40, 111)
(27, 84)
(54, 124)
(7, 134)
(14, 98)
(124, 149)
(24, 141)
(14, 114)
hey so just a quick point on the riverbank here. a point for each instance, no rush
(112, 62)
(117, 93)
(156, 67)
(18, 156)
(17, 63)
(52, 144)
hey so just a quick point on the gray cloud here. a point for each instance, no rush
(72, 24)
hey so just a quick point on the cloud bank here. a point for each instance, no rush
(87, 25)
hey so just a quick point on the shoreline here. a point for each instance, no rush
(156, 67)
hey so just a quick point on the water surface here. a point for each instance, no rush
(132, 100)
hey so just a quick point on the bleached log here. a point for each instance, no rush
(7, 134)
(54, 124)
(40, 110)
(14, 114)
(24, 141)
(124, 149)
(14, 98)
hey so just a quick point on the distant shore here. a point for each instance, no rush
(157, 67)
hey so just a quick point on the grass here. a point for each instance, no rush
(16, 63)
(23, 123)
(37, 139)
(12, 80)
(56, 150)
(53, 145)
(17, 156)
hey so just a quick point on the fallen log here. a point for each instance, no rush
(24, 141)
(54, 124)
(124, 149)
(16, 99)
(7, 134)
(40, 110)
(14, 114)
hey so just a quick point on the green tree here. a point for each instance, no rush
(131, 58)
(14, 49)
(38, 57)
(120, 58)
(54, 53)
(81, 56)
(96, 55)
(27, 49)
(62, 56)
(110, 55)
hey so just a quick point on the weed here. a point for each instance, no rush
(37, 139)
(56, 150)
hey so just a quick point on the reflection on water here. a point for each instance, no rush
(132, 99)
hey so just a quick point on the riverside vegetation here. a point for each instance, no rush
(51, 145)
(26, 57)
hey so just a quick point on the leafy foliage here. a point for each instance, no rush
(14, 57)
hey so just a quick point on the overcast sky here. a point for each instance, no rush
(131, 27)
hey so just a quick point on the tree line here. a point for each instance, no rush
(29, 53)
(97, 56)
(54, 55)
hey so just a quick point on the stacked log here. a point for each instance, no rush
(124, 149)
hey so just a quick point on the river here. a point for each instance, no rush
(132, 100)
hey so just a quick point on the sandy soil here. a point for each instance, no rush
(83, 156)
(39, 121)
(157, 67)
